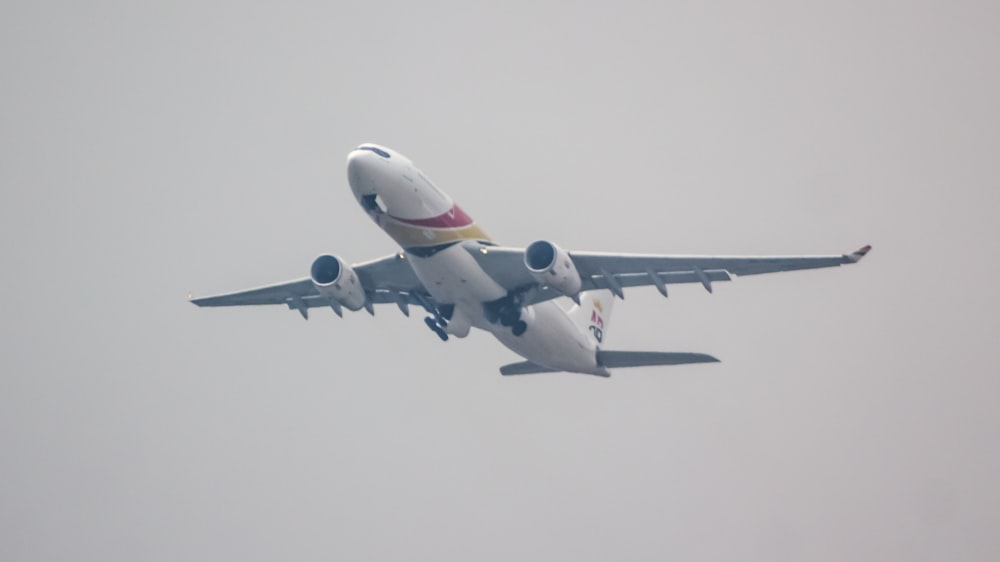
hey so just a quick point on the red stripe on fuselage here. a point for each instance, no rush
(455, 218)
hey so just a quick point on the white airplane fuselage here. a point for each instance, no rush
(437, 236)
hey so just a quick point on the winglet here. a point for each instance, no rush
(856, 256)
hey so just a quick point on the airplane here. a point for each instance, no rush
(454, 271)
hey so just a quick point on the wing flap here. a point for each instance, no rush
(643, 279)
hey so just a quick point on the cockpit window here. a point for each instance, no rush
(376, 150)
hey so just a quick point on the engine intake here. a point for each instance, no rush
(336, 280)
(551, 265)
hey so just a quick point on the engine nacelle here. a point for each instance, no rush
(334, 279)
(551, 265)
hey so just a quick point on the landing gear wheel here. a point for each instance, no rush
(492, 316)
(510, 315)
(519, 327)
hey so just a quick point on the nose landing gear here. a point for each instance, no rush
(438, 321)
(436, 328)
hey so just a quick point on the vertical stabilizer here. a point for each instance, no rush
(593, 314)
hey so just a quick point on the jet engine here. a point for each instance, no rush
(335, 280)
(551, 265)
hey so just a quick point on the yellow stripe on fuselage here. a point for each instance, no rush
(409, 236)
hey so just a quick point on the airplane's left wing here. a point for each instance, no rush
(599, 270)
(386, 280)
(278, 293)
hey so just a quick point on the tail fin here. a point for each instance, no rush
(593, 314)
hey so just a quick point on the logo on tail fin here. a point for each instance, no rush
(592, 315)
(597, 321)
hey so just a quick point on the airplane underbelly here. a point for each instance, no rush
(552, 340)
(452, 276)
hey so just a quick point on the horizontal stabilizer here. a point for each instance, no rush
(613, 359)
(524, 368)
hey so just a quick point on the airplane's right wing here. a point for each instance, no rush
(600, 270)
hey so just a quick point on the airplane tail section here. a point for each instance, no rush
(593, 314)
(617, 359)
(524, 368)
(613, 359)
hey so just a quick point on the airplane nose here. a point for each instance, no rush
(374, 170)
(362, 170)
(358, 161)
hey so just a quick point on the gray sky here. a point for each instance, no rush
(148, 150)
